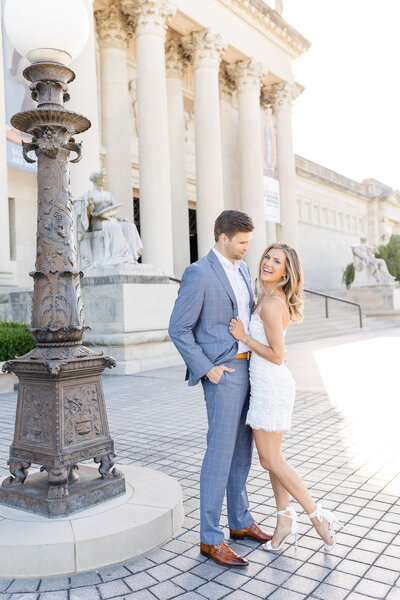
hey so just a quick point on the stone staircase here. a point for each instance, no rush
(343, 320)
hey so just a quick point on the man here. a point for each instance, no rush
(213, 291)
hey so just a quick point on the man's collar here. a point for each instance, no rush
(225, 262)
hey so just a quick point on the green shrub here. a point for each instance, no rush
(14, 340)
(348, 275)
(390, 252)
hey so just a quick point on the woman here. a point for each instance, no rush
(273, 390)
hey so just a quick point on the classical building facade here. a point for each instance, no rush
(190, 103)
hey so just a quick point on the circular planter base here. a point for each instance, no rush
(146, 516)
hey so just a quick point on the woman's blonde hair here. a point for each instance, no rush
(292, 282)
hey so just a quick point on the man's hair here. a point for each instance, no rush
(231, 222)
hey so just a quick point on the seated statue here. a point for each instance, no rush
(369, 270)
(102, 239)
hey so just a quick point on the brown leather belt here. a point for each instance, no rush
(243, 355)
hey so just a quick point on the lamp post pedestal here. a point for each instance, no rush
(61, 416)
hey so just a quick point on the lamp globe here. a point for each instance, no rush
(47, 30)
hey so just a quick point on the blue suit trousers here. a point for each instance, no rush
(228, 456)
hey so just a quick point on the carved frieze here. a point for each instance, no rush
(82, 417)
(35, 413)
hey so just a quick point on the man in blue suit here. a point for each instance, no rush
(214, 290)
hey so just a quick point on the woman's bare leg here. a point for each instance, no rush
(269, 450)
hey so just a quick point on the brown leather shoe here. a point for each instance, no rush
(223, 555)
(254, 532)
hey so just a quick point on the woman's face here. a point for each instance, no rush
(273, 266)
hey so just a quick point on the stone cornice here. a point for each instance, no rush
(205, 48)
(149, 15)
(247, 75)
(114, 29)
(273, 23)
(175, 60)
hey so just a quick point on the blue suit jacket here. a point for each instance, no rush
(200, 319)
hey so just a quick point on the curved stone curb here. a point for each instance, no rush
(146, 516)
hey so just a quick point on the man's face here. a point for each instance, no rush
(236, 247)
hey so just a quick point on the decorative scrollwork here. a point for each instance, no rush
(19, 472)
(28, 147)
(72, 146)
(107, 461)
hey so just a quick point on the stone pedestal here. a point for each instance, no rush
(131, 309)
(375, 298)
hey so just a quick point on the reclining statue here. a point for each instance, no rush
(102, 239)
(369, 270)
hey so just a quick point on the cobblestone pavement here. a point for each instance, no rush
(157, 421)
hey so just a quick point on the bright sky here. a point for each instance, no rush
(348, 117)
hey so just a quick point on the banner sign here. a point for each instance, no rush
(272, 205)
(17, 99)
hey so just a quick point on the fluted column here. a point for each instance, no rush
(114, 31)
(175, 64)
(285, 94)
(248, 75)
(151, 18)
(229, 136)
(207, 49)
(5, 264)
(85, 101)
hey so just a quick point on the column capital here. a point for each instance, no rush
(175, 59)
(114, 28)
(226, 83)
(205, 48)
(280, 95)
(247, 75)
(150, 16)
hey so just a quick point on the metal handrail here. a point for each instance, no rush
(328, 297)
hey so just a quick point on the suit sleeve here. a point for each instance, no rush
(184, 317)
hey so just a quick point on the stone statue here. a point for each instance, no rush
(102, 239)
(369, 270)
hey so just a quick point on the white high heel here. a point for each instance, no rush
(294, 530)
(321, 513)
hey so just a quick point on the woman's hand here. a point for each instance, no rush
(236, 329)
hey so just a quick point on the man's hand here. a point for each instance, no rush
(215, 374)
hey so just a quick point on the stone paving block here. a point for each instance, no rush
(300, 584)
(263, 589)
(183, 563)
(283, 594)
(187, 596)
(54, 583)
(163, 572)
(24, 596)
(208, 570)
(285, 563)
(23, 585)
(113, 588)
(313, 571)
(142, 595)
(274, 576)
(140, 581)
(232, 579)
(188, 581)
(113, 572)
(5, 583)
(394, 594)
(241, 595)
(166, 590)
(382, 575)
(372, 588)
(84, 593)
(84, 579)
(343, 580)
(139, 564)
(330, 592)
(213, 590)
(57, 595)
(388, 562)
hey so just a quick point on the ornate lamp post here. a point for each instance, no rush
(61, 417)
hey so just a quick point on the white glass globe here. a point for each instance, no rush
(47, 30)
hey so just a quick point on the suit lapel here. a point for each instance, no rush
(246, 277)
(222, 276)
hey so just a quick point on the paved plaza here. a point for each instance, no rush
(344, 443)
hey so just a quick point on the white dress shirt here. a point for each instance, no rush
(240, 290)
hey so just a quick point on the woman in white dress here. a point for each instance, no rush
(272, 390)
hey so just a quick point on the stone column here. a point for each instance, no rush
(207, 49)
(285, 94)
(248, 75)
(114, 30)
(229, 136)
(175, 65)
(84, 100)
(6, 272)
(151, 17)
